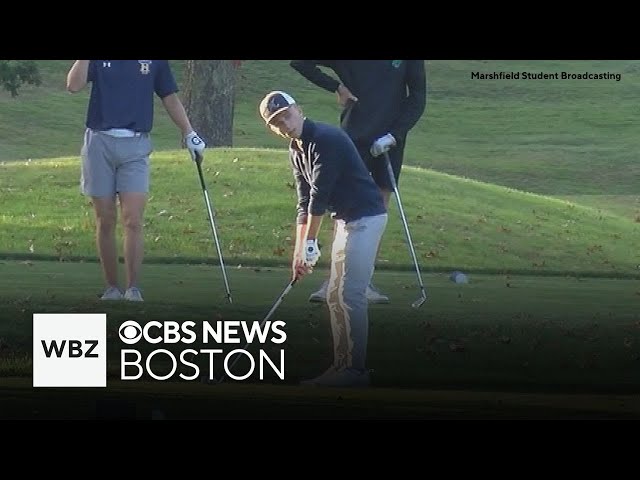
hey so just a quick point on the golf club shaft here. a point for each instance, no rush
(213, 227)
(404, 223)
(273, 309)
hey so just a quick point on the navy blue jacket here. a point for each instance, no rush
(392, 94)
(331, 176)
(122, 92)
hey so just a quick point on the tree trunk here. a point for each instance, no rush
(209, 99)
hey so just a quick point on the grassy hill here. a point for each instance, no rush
(556, 137)
(455, 222)
(556, 158)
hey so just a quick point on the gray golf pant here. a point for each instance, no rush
(353, 256)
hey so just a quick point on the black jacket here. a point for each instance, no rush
(392, 94)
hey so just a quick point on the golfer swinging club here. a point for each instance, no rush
(331, 176)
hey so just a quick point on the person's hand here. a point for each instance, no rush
(299, 267)
(344, 95)
(311, 252)
(195, 145)
(383, 144)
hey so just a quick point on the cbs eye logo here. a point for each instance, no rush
(130, 332)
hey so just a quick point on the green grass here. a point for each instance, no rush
(497, 332)
(455, 223)
(626, 206)
(503, 347)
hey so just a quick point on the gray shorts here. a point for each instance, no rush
(114, 164)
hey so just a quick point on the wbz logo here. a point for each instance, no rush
(74, 348)
(69, 350)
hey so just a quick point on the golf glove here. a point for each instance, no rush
(311, 253)
(195, 144)
(383, 144)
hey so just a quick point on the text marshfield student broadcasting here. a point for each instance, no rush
(545, 76)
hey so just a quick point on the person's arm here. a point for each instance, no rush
(174, 107)
(165, 87)
(303, 192)
(325, 173)
(313, 226)
(310, 69)
(178, 114)
(298, 267)
(416, 101)
(77, 77)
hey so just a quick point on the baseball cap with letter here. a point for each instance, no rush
(274, 103)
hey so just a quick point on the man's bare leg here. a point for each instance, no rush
(132, 209)
(106, 217)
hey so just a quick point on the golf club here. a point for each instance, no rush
(273, 309)
(418, 303)
(198, 162)
(423, 297)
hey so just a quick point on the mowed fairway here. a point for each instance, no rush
(573, 344)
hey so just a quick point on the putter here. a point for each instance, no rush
(423, 297)
(213, 224)
(273, 309)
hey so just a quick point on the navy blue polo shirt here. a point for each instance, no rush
(122, 92)
(331, 176)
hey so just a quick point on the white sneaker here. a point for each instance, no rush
(345, 377)
(320, 296)
(374, 295)
(133, 294)
(112, 293)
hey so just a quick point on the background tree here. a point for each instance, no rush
(14, 73)
(209, 98)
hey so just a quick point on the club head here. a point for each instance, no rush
(418, 303)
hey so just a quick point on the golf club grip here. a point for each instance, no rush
(200, 174)
(392, 176)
